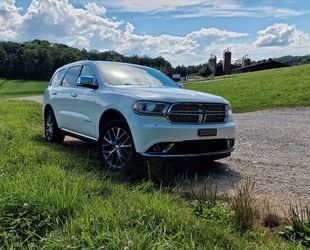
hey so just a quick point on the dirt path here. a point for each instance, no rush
(36, 98)
(273, 150)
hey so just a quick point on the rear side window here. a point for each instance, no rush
(57, 78)
(88, 71)
(71, 76)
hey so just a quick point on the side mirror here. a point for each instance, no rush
(87, 82)
(181, 86)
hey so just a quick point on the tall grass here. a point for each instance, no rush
(244, 207)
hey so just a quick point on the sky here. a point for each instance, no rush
(182, 31)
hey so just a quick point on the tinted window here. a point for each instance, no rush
(71, 76)
(56, 80)
(125, 74)
(87, 71)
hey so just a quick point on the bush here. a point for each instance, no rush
(272, 220)
(298, 230)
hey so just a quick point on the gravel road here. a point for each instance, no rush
(273, 150)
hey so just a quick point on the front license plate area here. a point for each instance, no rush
(207, 132)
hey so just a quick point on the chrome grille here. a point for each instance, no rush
(197, 113)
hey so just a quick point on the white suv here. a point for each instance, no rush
(131, 110)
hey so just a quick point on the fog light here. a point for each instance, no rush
(156, 148)
(162, 148)
(230, 143)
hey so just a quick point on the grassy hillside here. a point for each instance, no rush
(284, 87)
(15, 88)
(57, 197)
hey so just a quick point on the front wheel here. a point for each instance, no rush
(115, 145)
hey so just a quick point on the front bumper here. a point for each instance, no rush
(201, 148)
(148, 131)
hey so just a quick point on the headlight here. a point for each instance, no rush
(150, 108)
(229, 113)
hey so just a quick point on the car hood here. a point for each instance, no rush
(168, 94)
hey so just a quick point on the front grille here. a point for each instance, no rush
(197, 113)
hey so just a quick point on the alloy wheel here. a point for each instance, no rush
(116, 148)
(49, 127)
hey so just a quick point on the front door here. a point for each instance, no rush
(83, 106)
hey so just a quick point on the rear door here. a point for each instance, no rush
(65, 98)
(83, 105)
(54, 93)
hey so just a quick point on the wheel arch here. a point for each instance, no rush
(47, 107)
(110, 115)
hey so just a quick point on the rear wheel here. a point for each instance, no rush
(52, 132)
(115, 145)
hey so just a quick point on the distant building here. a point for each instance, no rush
(260, 65)
(176, 77)
(227, 62)
(246, 62)
(191, 77)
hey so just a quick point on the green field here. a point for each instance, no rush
(57, 197)
(285, 87)
(16, 88)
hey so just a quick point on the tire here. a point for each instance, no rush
(52, 133)
(115, 146)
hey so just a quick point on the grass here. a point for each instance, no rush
(245, 209)
(285, 87)
(299, 225)
(57, 197)
(16, 88)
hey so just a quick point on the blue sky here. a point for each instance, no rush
(183, 31)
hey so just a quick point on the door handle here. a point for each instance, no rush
(74, 95)
(54, 92)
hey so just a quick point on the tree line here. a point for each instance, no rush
(38, 59)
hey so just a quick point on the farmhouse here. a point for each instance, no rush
(261, 65)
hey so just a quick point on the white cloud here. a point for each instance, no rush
(151, 5)
(91, 28)
(282, 35)
(60, 21)
(9, 20)
(199, 8)
(236, 10)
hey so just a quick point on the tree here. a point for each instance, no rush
(204, 70)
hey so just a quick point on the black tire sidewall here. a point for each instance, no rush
(58, 136)
(120, 124)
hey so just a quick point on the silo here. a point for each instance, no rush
(227, 62)
(212, 64)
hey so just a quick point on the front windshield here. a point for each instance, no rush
(131, 75)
